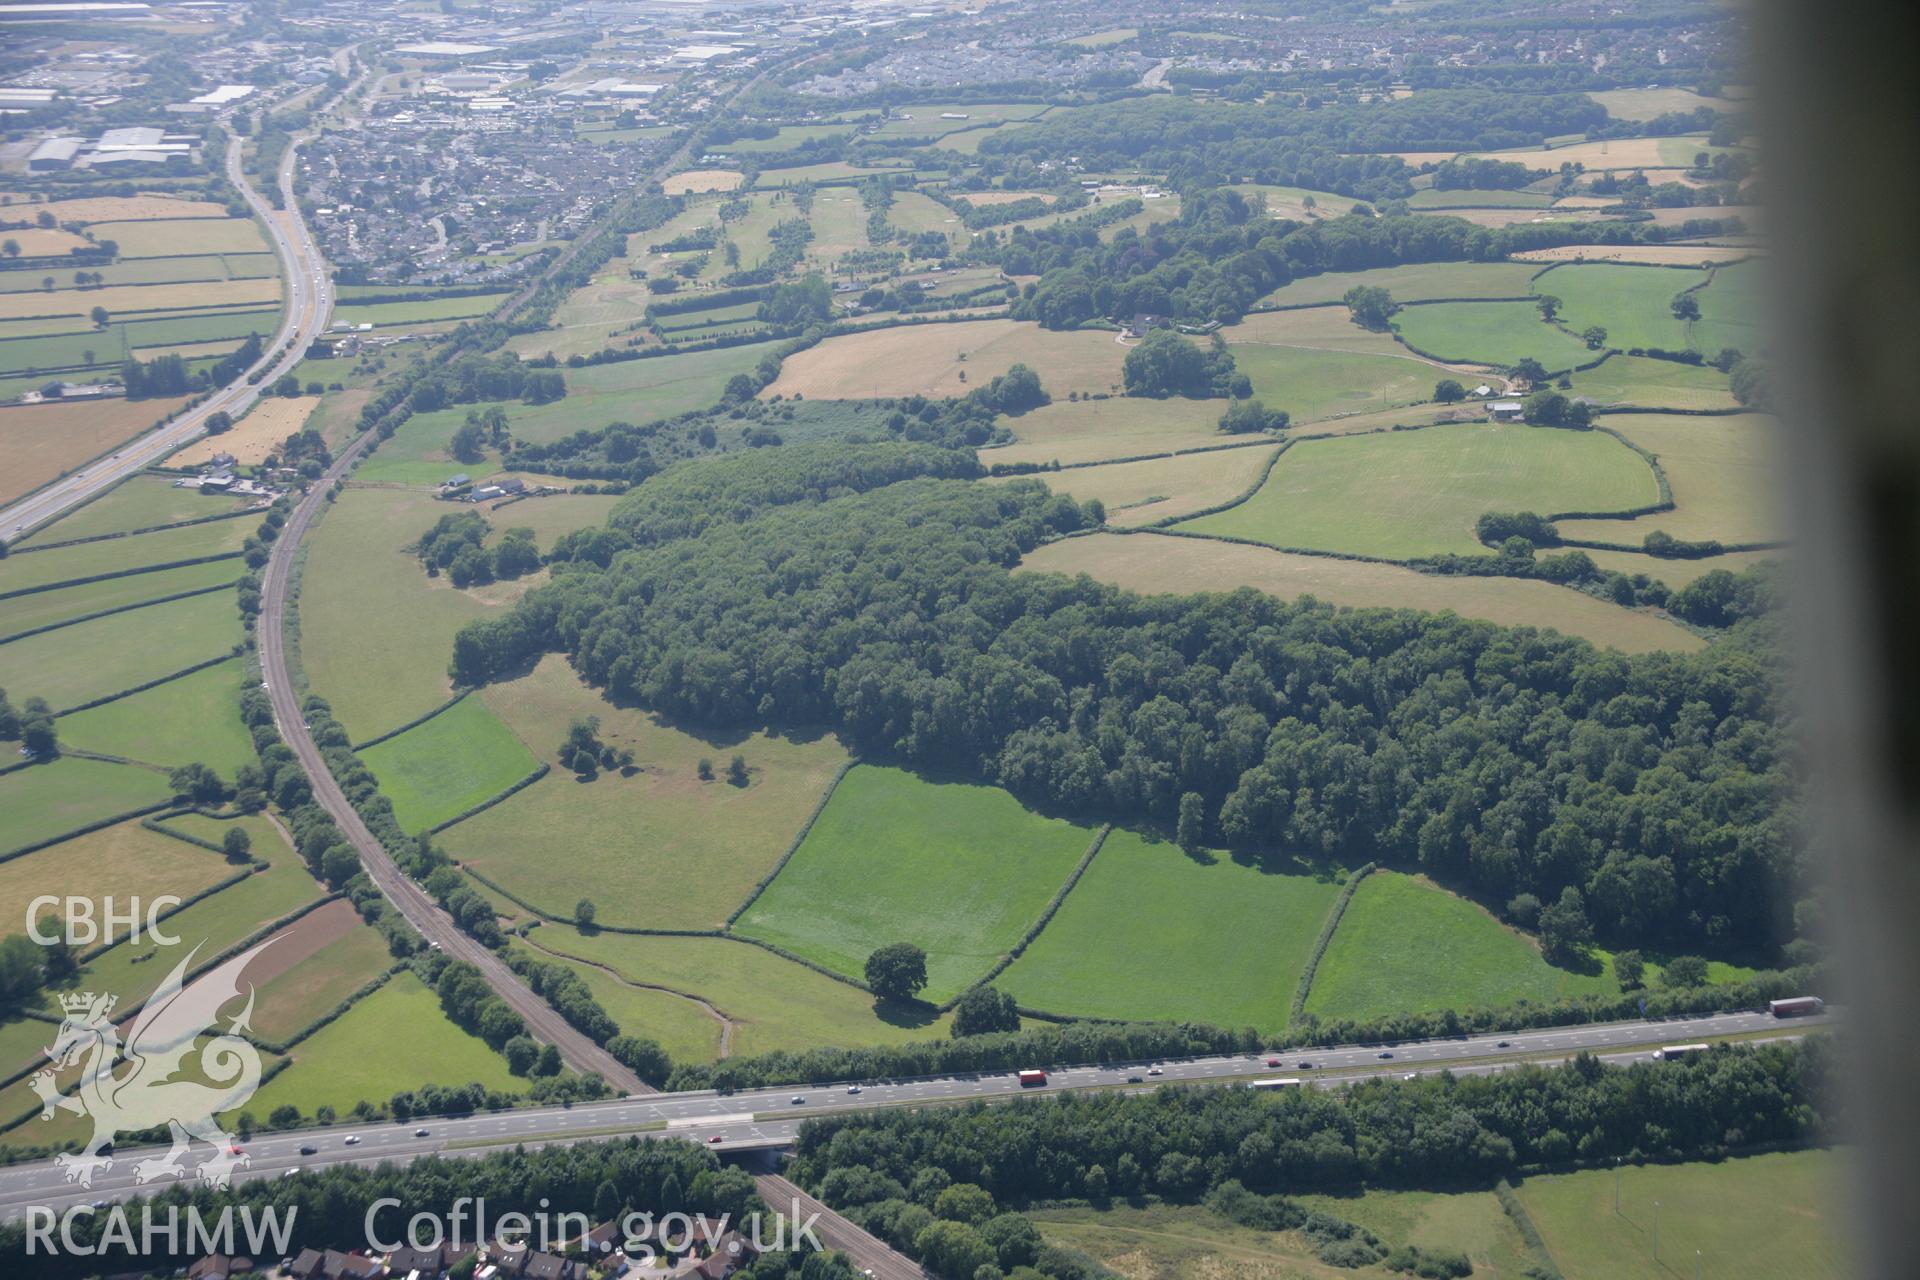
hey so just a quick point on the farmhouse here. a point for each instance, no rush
(1506, 410)
(1145, 322)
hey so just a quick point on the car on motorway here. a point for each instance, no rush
(1153, 1071)
(1306, 1066)
(714, 1138)
(798, 1100)
(1504, 1044)
(352, 1139)
(307, 1148)
(1135, 1078)
(1273, 1062)
(290, 1173)
(420, 1133)
(1384, 1053)
(853, 1088)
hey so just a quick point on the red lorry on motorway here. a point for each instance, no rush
(1032, 1077)
(1796, 1006)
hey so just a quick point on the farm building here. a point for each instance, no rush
(1506, 410)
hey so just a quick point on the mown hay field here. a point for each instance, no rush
(1723, 471)
(693, 180)
(167, 238)
(39, 443)
(376, 633)
(1412, 283)
(121, 299)
(1159, 565)
(662, 848)
(1070, 431)
(1137, 493)
(1402, 495)
(949, 360)
(120, 862)
(271, 420)
(773, 1003)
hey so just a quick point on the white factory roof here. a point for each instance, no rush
(446, 48)
(704, 52)
(223, 95)
(56, 149)
(23, 94)
(122, 139)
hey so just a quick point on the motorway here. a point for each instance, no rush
(767, 1118)
(309, 302)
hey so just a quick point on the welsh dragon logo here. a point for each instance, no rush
(174, 1069)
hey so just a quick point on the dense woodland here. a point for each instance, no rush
(1223, 254)
(1649, 795)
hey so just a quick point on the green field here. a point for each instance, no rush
(1413, 283)
(226, 266)
(1404, 946)
(175, 237)
(771, 1002)
(439, 769)
(1654, 384)
(118, 862)
(788, 137)
(46, 608)
(637, 391)
(1311, 384)
(1494, 333)
(1432, 198)
(1179, 1242)
(417, 454)
(1766, 1217)
(194, 718)
(1407, 494)
(375, 631)
(681, 1026)
(425, 311)
(626, 836)
(1152, 934)
(333, 1067)
(292, 1001)
(1724, 475)
(139, 503)
(91, 659)
(50, 799)
(1101, 430)
(117, 555)
(957, 869)
(1632, 303)
(1731, 311)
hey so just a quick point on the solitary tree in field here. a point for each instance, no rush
(1449, 391)
(237, 844)
(583, 913)
(737, 771)
(1630, 969)
(897, 971)
(1549, 306)
(1595, 336)
(705, 769)
(11, 248)
(1686, 307)
(1684, 971)
(1371, 306)
(99, 316)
